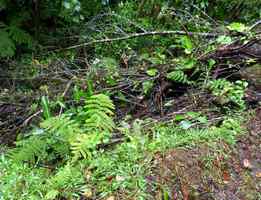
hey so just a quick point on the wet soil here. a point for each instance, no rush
(218, 172)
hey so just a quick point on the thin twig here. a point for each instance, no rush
(64, 93)
(204, 13)
(31, 117)
(135, 35)
(255, 25)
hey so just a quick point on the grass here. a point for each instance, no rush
(118, 170)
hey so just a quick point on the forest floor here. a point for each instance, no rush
(190, 169)
(209, 172)
(204, 171)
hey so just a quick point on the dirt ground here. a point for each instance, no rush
(218, 172)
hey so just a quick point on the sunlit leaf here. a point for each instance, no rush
(236, 26)
(152, 72)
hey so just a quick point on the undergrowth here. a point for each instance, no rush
(79, 149)
(62, 158)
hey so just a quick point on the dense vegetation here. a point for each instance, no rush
(93, 91)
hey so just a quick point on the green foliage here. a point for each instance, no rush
(186, 43)
(62, 140)
(91, 126)
(97, 113)
(147, 86)
(10, 37)
(66, 183)
(126, 165)
(226, 91)
(66, 156)
(30, 150)
(71, 10)
(182, 66)
(19, 36)
(171, 136)
(46, 107)
(188, 119)
(108, 69)
(178, 76)
(235, 26)
(98, 125)
(20, 181)
(152, 72)
(12, 33)
(7, 46)
(224, 40)
(25, 21)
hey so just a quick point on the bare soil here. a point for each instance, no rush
(218, 172)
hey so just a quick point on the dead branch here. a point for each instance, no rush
(255, 25)
(135, 35)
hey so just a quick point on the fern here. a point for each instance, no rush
(63, 131)
(60, 135)
(98, 122)
(10, 36)
(97, 113)
(219, 84)
(7, 46)
(62, 127)
(30, 149)
(178, 76)
(226, 91)
(20, 36)
(85, 144)
(55, 134)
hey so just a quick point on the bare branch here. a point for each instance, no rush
(135, 35)
(255, 25)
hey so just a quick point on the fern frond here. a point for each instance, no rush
(30, 149)
(218, 84)
(178, 76)
(98, 122)
(62, 126)
(100, 101)
(7, 46)
(85, 144)
(98, 111)
(20, 36)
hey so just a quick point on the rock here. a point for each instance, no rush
(253, 75)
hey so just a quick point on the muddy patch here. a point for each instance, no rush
(218, 172)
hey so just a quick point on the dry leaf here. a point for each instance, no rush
(258, 174)
(247, 163)
(226, 177)
(184, 191)
(120, 178)
(111, 198)
(87, 193)
(87, 174)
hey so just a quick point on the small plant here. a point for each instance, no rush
(226, 91)
(62, 141)
(10, 37)
(178, 76)
(173, 136)
(182, 66)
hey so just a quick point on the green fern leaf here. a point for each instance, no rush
(98, 111)
(7, 46)
(85, 144)
(30, 149)
(98, 122)
(178, 76)
(20, 36)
